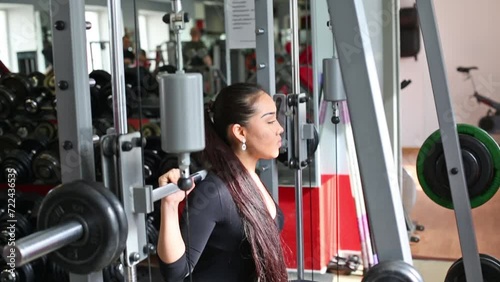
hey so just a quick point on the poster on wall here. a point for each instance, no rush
(240, 23)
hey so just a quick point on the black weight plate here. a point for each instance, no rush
(103, 236)
(17, 83)
(101, 77)
(392, 271)
(122, 223)
(490, 268)
(477, 167)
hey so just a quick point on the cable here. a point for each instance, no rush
(188, 239)
(337, 194)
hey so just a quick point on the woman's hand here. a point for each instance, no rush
(173, 176)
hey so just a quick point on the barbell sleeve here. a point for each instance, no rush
(43, 242)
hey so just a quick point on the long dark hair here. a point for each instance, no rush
(234, 105)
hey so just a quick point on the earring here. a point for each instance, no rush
(244, 145)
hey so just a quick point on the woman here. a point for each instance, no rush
(233, 222)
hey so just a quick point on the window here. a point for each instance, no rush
(153, 32)
(98, 48)
(4, 43)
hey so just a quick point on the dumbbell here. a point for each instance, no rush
(8, 143)
(45, 129)
(46, 165)
(153, 156)
(33, 104)
(113, 273)
(11, 232)
(18, 161)
(13, 90)
(106, 100)
(152, 233)
(37, 79)
(100, 79)
(5, 127)
(23, 128)
(151, 129)
(56, 273)
(50, 82)
(30, 272)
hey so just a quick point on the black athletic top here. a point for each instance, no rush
(218, 248)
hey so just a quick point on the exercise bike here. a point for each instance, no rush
(491, 122)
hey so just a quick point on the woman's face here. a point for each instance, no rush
(263, 130)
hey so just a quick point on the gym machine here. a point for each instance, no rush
(83, 225)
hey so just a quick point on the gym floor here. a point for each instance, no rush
(431, 270)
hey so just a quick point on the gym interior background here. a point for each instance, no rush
(29, 136)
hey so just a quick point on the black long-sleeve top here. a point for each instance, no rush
(218, 249)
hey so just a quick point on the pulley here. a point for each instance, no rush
(481, 161)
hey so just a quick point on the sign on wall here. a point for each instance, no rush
(240, 23)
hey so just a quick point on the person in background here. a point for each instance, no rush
(128, 54)
(143, 60)
(195, 52)
(234, 223)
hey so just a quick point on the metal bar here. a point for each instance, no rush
(41, 243)
(115, 20)
(74, 118)
(449, 136)
(294, 22)
(171, 188)
(72, 91)
(264, 50)
(371, 134)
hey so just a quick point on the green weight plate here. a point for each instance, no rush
(430, 145)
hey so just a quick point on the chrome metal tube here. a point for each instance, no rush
(117, 66)
(180, 62)
(43, 242)
(294, 25)
(294, 22)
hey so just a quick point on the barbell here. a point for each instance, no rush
(83, 227)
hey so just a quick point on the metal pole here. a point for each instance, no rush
(117, 67)
(451, 145)
(294, 21)
(38, 244)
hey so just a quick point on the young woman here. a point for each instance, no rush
(233, 222)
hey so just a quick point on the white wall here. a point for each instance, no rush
(469, 37)
(22, 30)
(4, 40)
